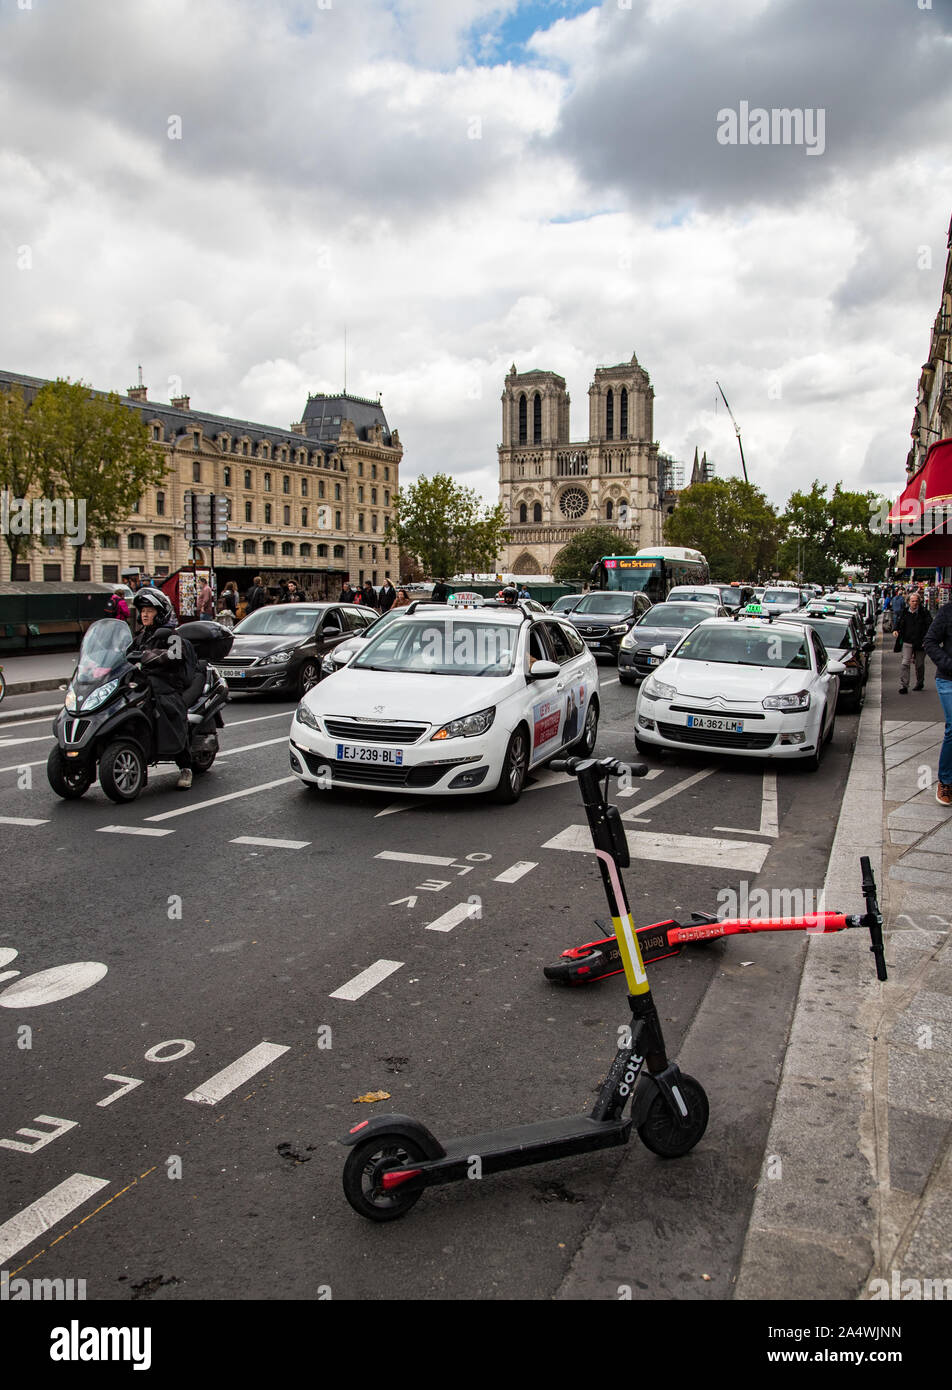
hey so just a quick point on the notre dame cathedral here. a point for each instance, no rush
(552, 488)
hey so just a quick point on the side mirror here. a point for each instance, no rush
(340, 658)
(836, 668)
(660, 650)
(543, 670)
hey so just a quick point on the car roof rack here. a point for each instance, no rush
(417, 604)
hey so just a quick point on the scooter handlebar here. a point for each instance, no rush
(606, 767)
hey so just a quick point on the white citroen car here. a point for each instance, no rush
(450, 702)
(753, 686)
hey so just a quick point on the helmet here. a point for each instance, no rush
(157, 600)
(510, 594)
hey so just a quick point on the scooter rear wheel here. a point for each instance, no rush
(201, 762)
(68, 780)
(366, 1164)
(660, 1131)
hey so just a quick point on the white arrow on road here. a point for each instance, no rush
(410, 902)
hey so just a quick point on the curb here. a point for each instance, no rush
(7, 715)
(813, 1229)
(27, 687)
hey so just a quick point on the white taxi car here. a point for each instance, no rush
(450, 702)
(753, 686)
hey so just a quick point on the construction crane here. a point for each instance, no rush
(736, 429)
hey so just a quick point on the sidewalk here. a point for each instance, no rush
(857, 1178)
(41, 671)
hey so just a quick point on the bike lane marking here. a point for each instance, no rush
(460, 913)
(769, 825)
(268, 844)
(21, 820)
(638, 811)
(699, 850)
(217, 800)
(367, 979)
(40, 1216)
(222, 1084)
(402, 858)
(131, 830)
(249, 747)
(516, 871)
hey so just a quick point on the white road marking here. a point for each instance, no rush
(131, 830)
(283, 714)
(673, 849)
(17, 723)
(636, 787)
(410, 902)
(217, 800)
(547, 778)
(222, 1084)
(460, 913)
(43, 1214)
(13, 742)
(602, 684)
(397, 806)
(516, 871)
(15, 767)
(22, 820)
(270, 844)
(658, 800)
(415, 858)
(49, 986)
(249, 747)
(367, 979)
(768, 811)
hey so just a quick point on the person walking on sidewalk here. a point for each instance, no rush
(938, 645)
(914, 622)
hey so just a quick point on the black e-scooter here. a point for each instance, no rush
(395, 1157)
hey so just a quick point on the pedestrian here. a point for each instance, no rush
(242, 610)
(358, 597)
(229, 598)
(524, 592)
(938, 645)
(370, 596)
(887, 611)
(402, 600)
(911, 629)
(440, 590)
(257, 597)
(346, 593)
(387, 596)
(206, 600)
(896, 605)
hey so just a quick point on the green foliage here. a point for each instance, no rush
(576, 559)
(731, 523)
(833, 531)
(21, 469)
(445, 526)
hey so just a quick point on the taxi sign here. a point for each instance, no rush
(465, 600)
(756, 610)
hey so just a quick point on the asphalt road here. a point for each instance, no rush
(125, 1162)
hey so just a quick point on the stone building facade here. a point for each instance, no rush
(552, 488)
(310, 502)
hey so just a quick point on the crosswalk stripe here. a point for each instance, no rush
(222, 1084)
(516, 871)
(402, 858)
(40, 1216)
(367, 979)
(460, 913)
(22, 820)
(269, 844)
(132, 830)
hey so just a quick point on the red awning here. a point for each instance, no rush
(934, 548)
(929, 488)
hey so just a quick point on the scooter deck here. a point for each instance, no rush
(521, 1145)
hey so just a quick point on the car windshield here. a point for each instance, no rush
(782, 598)
(565, 602)
(604, 603)
(731, 598)
(676, 615)
(744, 645)
(834, 632)
(284, 621)
(103, 653)
(442, 647)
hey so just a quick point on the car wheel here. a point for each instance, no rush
(514, 767)
(812, 764)
(308, 677)
(626, 680)
(584, 747)
(645, 749)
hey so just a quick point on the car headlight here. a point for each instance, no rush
(467, 727)
(304, 716)
(100, 696)
(628, 641)
(70, 700)
(275, 659)
(657, 690)
(619, 627)
(801, 700)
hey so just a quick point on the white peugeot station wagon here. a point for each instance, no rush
(448, 701)
(751, 686)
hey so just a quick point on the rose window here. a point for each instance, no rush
(573, 503)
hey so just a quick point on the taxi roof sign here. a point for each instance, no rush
(465, 600)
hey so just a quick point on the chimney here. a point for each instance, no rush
(180, 403)
(138, 393)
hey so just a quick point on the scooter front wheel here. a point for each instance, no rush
(363, 1177)
(68, 780)
(122, 772)
(660, 1131)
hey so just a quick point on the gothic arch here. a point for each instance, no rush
(526, 564)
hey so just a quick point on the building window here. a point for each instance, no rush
(320, 487)
(267, 513)
(373, 470)
(373, 496)
(336, 524)
(287, 548)
(287, 516)
(360, 494)
(337, 492)
(196, 440)
(523, 513)
(196, 472)
(338, 552)
(248, 478)
(136, 541)
(537, 419)
(250, 547)
(306, 551)
(386, 497)
(110, 574)
(386, 475)
(303, 487)
(609, 511)
(228, 547)
(360, 469)
(623, 430)
(110, 541)
(52, 573)
(386, 556)
(268, 548)
(267, 482)
(373, 522)
(286, 484)
(247, 511)
(322, 551)
(360, 521)
(360, 552)
(226, 476)
(162, 544)
(156, 432)
(160, 504)
(523, 419)
(304, 516)
(537, 512)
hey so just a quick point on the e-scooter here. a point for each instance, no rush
(395, 1157)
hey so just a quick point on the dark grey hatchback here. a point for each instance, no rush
(282, 647)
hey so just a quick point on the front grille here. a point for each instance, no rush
(237, 661)
(360, 731)
(368, 776)
(714, 738)
(75, 730)
(717, 713)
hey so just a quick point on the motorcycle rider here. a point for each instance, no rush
(169, 662)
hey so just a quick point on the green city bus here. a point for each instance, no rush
(653, 571)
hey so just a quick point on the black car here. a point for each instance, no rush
(843, 642)
(282, 647)
(602, 619)
(663, 625)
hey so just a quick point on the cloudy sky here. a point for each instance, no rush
(218, 188)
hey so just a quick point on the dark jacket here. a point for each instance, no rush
(168, 675)
(938, 642)
(257, 598)
(370, 596)
(912, 627)
(346, 595)
(440, 592)
(388, 596)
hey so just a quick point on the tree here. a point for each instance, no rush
(576, 559)
(731, 523)
(21, 469)
(95, 451)
(445, 526)
(826, 533)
